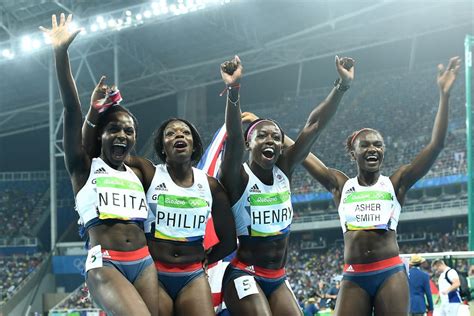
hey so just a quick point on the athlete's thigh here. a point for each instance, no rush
(253, 304)
(195, 299)
(147, 286)
(352, 300)
(166, 302)
(283, 302)
(393, 296)
(114, 293)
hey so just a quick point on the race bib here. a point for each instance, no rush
(368, 210)
(271, 213)
(94, 258)
(121, 199)
(181, 218)
(245, 286)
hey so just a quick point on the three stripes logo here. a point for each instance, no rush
(350, 190)
(161, 187)
(255, 189)
(101, 170)
(350, 269)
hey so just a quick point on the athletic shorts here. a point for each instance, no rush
(130, 263)
(371, 276)
(268, 279)
(175, 277)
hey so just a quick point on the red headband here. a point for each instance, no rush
(253, 127)
(358, 132)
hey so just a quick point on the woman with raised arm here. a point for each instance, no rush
(181, 199)
(259, 191)
(110, 198)
(369, 206)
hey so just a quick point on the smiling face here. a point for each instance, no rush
(117, 138)
(178, 142)
(265, 144)
(368, 151)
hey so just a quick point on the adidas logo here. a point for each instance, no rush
(250, 269)
(161, 187)
(100, 171)
(255, 189)
(350, 269)
(350, 190)
(105, 254)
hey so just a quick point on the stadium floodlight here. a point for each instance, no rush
(26, 43)
(46, 39)
(183, 9)
(35, 44)
(7, 53)
(73, 26)
(173, 8)
(112, 21)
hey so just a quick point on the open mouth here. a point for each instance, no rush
(118, 150)
(268, 153)
(372, 158)
(180, 144)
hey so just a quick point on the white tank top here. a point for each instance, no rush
(369, 208)
(178, 213)
(264, 210)
(111, 194)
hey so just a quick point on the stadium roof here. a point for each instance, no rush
(171, 52)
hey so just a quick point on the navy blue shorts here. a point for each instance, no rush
(174, 278)
(268, 280)
(372, 279)
(130, 263)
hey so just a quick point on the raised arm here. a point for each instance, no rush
(224, 224)
(319, 117)
(100, 102)
(333, 180)
(60, 37)
(89, 131)
(407, 175)
(231, 73)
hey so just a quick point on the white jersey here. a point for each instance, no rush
(453, 296)
(369, 207)
(178, 213)
(264, 210)
(111, 194)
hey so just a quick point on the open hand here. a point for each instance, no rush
(59, 34)
(231, 71)
(447, 76)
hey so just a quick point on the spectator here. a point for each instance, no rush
(419, 282)
(448, 284)
(331, 295)
(310, 308)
